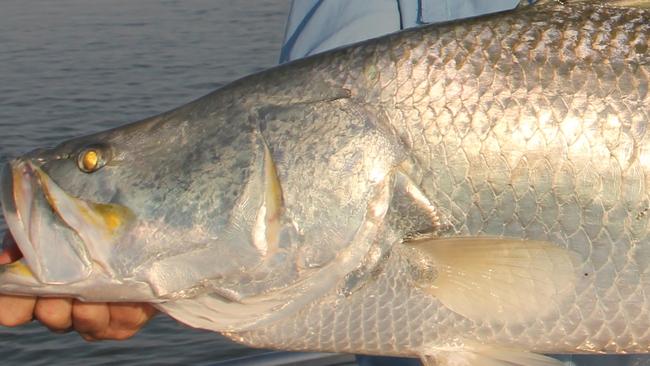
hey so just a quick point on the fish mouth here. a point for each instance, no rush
(53, 252)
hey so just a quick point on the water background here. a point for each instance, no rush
(72, 67)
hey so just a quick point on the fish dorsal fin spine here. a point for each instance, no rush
(644, 4)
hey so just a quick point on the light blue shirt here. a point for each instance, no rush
(319, 25)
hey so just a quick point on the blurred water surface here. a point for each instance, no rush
(72, 67)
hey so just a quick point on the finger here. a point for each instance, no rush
(91, 320)
(10, 252)
(54, 313)
(127, 318)
(16, 310)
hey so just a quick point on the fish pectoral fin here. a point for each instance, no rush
(497, 279)
(484, 355)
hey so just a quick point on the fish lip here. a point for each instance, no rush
(6, 189)
(21, 180)
(14, 218)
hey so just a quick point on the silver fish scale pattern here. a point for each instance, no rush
(530, 125)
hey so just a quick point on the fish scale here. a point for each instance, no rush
(527, 125)
(470, 193)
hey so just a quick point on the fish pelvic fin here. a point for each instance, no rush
(497, 279)
(477, 354)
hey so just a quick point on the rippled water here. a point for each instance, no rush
(72, 67)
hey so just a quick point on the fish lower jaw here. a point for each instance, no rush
(97, 287)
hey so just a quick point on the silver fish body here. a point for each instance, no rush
(529, 125)
(305, 207)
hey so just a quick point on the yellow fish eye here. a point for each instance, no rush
(90, 160)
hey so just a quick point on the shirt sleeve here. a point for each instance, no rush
(318, 25)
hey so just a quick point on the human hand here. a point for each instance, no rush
(93, 321)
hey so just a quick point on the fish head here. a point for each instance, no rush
(62, 208)
(216, 198)
(58, 231)
(103, 209)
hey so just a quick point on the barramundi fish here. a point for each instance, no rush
(470, 193)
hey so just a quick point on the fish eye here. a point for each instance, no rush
(91, 159)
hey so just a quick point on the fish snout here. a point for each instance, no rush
(53, 253)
